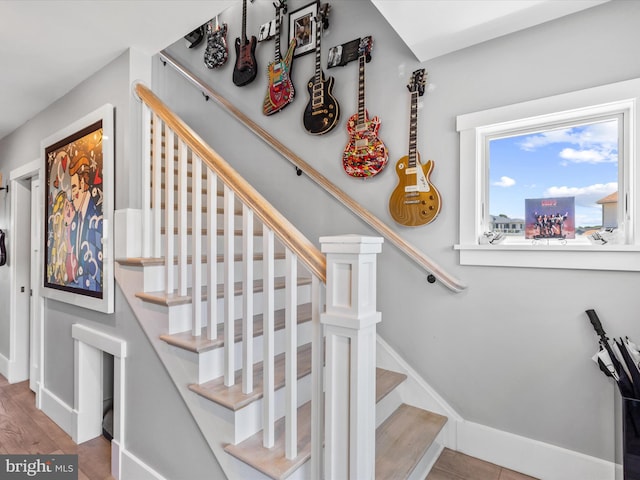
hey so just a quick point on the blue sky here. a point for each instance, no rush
(578, 161)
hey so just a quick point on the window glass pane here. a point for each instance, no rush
(559, 183)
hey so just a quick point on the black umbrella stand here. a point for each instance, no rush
(631, 438)
(630, 401)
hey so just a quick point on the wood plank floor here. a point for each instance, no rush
(453, 465)
(26, 430)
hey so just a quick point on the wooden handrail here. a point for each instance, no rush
(288, 234)
(420, 258)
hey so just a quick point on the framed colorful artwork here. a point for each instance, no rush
(79, 202)
(302, 27)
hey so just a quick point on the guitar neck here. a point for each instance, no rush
(361, 107)
(318, 77)
(413, 130)
(244, 20)
(277, 55)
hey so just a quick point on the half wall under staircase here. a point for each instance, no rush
(270, 341)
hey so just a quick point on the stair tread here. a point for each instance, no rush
(233, 398)
(173, 299)
(386, 381)
(202, 344)
(403, 439)
(159, 261)
(272, 461)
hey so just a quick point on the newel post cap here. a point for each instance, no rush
(351, 243)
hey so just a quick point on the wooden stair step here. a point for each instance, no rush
(403, 439)
(159, 261)
(187, 341)
(233, 398)
(386, 381)
(272, 461)
(173, 299)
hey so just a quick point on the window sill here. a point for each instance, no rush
(578, 257)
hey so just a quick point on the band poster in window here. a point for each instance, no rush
(78, 250)
(549, 218)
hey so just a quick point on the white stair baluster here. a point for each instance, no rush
(196, 245)
(247, 299)
(182, 218)
(157, 186)
(146, 181)
(291, 356)
(169, 219)
(268, 414)
(212, 255)
(229, 288)
(317, 387)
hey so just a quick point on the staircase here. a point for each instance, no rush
(281, 380)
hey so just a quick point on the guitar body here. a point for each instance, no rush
(246, 67)
(414, 201)
(322, 113)
(216, 53)
(280, 89)
(365, 155)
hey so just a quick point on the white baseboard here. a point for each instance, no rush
(531, 457)
(4, 366)
(132, 468)
(58, 411)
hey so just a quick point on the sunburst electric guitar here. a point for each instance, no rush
(365, 155)
(280, 89)
(415, 201)
(322, 112)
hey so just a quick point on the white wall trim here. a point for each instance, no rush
(4, 367)
(61, 413)
(531, 457)
(134, 468)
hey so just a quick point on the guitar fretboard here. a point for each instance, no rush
(244, 21)
(413, 130)
(361, 109)
(318, 76)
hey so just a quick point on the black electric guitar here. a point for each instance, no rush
(3, 250)
(322, 112)
(246, 67)
(216, 53)
(415, 201)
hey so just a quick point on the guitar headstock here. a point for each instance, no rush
(365, 47)
(417, 81)
(323, 15)
(280, 6)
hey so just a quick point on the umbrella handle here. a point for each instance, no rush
(597, 326)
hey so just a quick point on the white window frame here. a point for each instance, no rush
(576, 107)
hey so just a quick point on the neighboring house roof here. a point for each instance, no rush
(613, 198)
(506, 220)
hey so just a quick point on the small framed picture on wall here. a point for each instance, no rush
(302, 27)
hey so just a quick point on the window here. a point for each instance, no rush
(552, 182)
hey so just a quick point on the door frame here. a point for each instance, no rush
(19, 360)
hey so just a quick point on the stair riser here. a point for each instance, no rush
(237, 244)
(180, 315)
(210, 364)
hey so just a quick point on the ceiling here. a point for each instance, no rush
(47, 47)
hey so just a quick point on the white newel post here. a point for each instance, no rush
(350, 331)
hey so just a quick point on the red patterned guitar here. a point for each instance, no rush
(365, 155)
(280, 89)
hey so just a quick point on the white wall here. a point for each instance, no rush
(496, 353)
(157, 421)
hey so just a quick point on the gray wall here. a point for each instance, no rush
(498, 356)
(158, 422)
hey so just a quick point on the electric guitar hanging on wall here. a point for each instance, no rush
(365, 155)
(216, 53)
(246, 67)
(280, 89)
(415, 201)
(322, 112)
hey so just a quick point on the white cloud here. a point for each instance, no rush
(505, 182)
(585, 196)
(588, 156)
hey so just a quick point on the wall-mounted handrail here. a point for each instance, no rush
(288, 234)
(383, 229)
